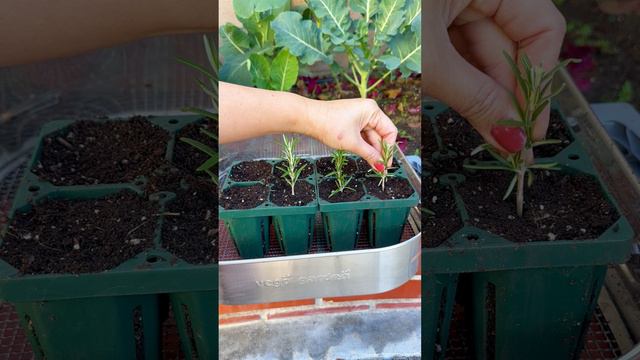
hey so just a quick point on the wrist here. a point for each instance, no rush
(309, 118)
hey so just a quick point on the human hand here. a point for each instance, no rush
(353, 125)
(464, 64)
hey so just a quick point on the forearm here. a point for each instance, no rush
(35, 30)
(249, 112)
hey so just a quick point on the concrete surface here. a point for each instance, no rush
(393, 334)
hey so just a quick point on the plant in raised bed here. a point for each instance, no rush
(516, 136)
(394, 46)
(382, 167)
(250, 55)
(292, 168)
(339, 159)
(211, 89)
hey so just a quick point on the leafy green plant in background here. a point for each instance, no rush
(385, 38)
(339, 160)
(626, 92)
(535, 85)
(290, 171)
(250, 55)
(210, 87)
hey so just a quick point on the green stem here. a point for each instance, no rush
(379, 81)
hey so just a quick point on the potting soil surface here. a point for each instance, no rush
(109, 152)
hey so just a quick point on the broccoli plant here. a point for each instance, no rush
(250, 56)
(516, 135)
(382, 167)
(210, 87)
(339, 159)
(290, 171)
(385, 38)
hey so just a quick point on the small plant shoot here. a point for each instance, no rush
(339, 159)
(290, 170)
(382, 167)
(516, 135)
(210, 87)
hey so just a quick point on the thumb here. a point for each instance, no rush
(469, 91)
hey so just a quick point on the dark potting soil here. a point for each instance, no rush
(186, 156)
(191, 223)
(394, 188)
(557, 207)
(328, 185)
(243, 197)
(102, 152)
(557, 131)
(64, 236)
(456, 133)
(429, 141)
(254, 170)
(364, 167)
(446, 221)
(325, 166)
(306, 171)
(281, 193)
(168, 178)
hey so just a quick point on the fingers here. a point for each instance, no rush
(472, 93)
(366, 151)
(538, 28)
(376, 120)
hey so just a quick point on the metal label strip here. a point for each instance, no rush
(348, 273)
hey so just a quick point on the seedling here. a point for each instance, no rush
(290, 171)
(516, 136)
(339, 159)
(382, 167)
(210, 88)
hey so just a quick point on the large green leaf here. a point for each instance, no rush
(413, 13)
(334, 18)
(236, 70)
(366, 8)
(301, 37)
(389, 19)
(235, 42)
(244, 8)
(260, 71)
(284, 71)
(406, 47)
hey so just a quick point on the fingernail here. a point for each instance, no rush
(379, 166)
(511, 139)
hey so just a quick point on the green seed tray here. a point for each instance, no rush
(151, 272)
(249, 228)
(471, 249)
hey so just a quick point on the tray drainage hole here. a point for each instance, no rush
(616, 228)
(139, 183)
(429, 107)
(154, 259)
(574, 157)
(473, 162)
(173, 121)
(473, 237)
(162, 196)
(34, 188)
(452, 177)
